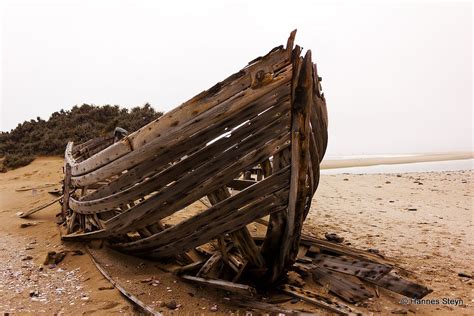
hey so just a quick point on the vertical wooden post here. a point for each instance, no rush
(66, 190)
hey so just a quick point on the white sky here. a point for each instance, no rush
(397, 75)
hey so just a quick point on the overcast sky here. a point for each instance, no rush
(397, 75)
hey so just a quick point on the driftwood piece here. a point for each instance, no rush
(39, 208)
(119, 287)
(236, 288)
(318, 300)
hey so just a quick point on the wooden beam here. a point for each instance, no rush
(236, 288)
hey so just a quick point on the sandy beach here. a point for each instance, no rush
(421, 220)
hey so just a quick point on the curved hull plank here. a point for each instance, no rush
(251, 145)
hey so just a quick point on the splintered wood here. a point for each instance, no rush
(247, 148)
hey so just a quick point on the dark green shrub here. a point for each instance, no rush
(17, 160)
(81, 123)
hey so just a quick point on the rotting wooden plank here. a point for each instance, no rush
(209, 265)
(237, 288)
(268, 308)
(401, 286)
(299, 164)
(39, 208)
(66, 190)
(119, 287)
(360, 268)
(190, 267)
(240, 184)
(339, 249)
(344, 287)
(318, 300)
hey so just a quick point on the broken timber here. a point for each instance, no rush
(247, 148)
(268, 121)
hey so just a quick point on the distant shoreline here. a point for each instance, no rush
(406, 159)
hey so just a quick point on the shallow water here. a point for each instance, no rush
(448, 165)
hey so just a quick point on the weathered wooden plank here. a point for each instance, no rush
(318, 300)
(339, 249)
(237, 288)
(240, 184)
(66, 190)
(344, 287)
(190, 267)
(122, 290)
(401, 286)
(209, 265)
(299, 164)
(39, 208)
(363, 269)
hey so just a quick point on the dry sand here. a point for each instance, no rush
(370, 211)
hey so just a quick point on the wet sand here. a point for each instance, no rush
(422, 220)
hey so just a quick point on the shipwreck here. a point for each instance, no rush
(249, 150)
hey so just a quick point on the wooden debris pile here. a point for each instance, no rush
(249, 148)
(269, 118)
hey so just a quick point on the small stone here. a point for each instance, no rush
(400, 311)
(54, 257)
(294, 300)
(373, 250)
(387, 182)
(24, 225)
(334, 237)
(147, 280)
(214, 308)
(77, 252)
(172, 304)
(345, 179)
(27, 258)
(465, 275)
(34, 293)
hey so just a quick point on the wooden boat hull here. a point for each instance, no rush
(268, 121)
